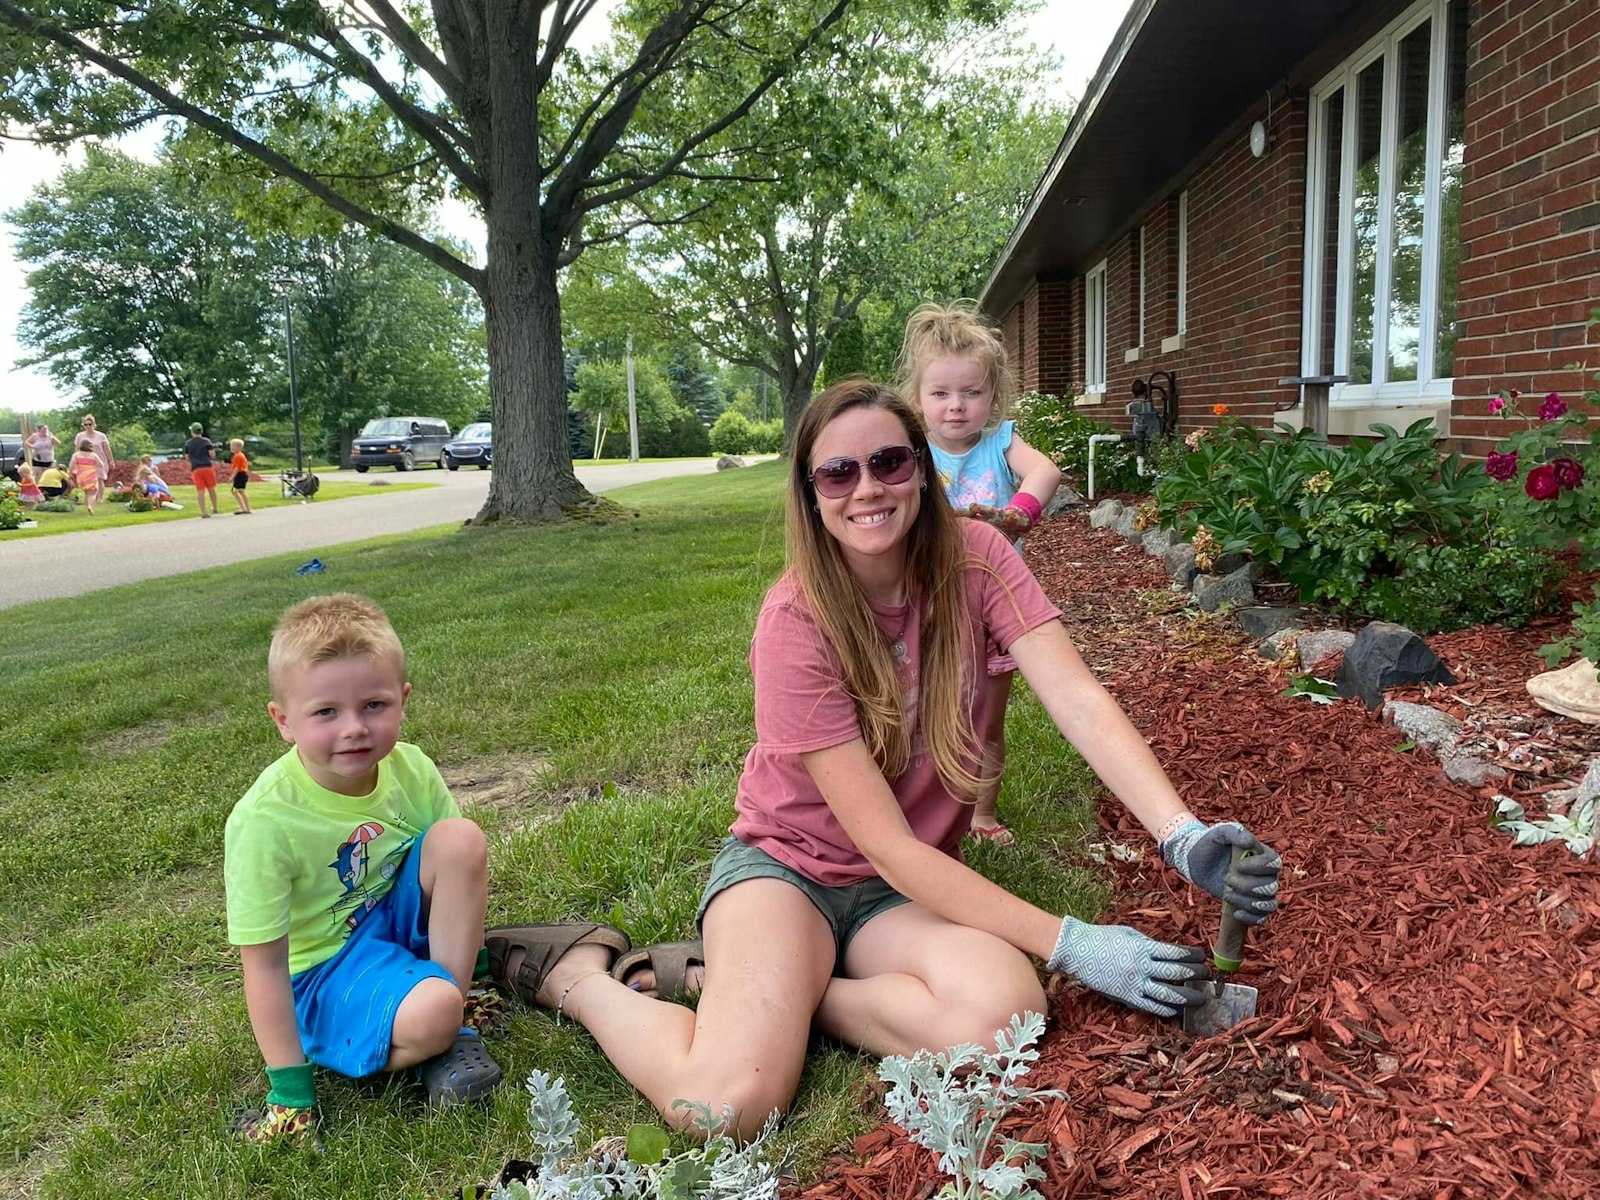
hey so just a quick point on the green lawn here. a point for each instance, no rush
(111, 514)
(591, 683)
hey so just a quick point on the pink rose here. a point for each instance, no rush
(1568, 472)
(1553, 408)
(1541, 483)
(1497, 406)
(1500, 466)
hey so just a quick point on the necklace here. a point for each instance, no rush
(897, 643)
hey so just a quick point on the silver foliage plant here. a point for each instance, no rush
(953, 1102)
(719, 1169)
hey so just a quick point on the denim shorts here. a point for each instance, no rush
(346, 1005)
(846, 909)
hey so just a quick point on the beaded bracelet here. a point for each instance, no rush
(1172, 824)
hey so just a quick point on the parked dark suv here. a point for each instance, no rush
(399, 442)
(12, 452)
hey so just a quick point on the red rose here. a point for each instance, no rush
(1541, 483)
(1569, 473)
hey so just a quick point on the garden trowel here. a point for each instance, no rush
(1226, 1004)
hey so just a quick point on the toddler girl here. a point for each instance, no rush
(84, 468)
(28, 491)
(954, 369)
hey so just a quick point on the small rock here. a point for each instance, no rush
(1230, 562)
(1158, 541)
(1320, 643)
(1588, 788)
(1424, 725)
(1066, 497)
(1472, 772)
(1211, 593)
(1125, 522)
(1573, 691)
(1386, 655)
(1261, 620)
(1277, 645)
(1179, 562)
(1105, 514)
(729, 461)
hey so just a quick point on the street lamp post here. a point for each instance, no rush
(294, 395)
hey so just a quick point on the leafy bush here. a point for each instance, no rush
(1054, 426)
(1379, 528)
(766, 437)
(685, 437)
(12, 514)
(141, 504)
(732, 434)
(58, 505)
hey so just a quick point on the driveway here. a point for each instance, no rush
(70, 564)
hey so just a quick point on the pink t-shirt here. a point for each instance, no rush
(802, 705)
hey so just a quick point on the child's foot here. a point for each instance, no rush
(462, 1074)
(279, 1123)
(993, 832)
(484, 1010)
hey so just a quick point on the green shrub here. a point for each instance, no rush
(12, 514)
(141, 504)
(1054, 426)
(1452, 587)
(766, 437)
(732, 433)
(57, 505)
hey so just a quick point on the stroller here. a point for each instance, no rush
(299, 483)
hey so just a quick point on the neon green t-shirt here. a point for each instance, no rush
(304, 861)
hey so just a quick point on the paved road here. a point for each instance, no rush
(70, 564)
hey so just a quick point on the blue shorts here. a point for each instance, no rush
(346, 1005)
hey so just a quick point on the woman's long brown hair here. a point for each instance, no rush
(935, 554)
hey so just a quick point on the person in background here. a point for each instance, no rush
(100, 445)
(42, 448)
(240, 465)
(202, 467)
(53, 483)
(27, 488)
(84, 467)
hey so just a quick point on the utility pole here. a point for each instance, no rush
(633, 412)
(294, 394)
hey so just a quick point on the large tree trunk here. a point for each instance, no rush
(533, 478)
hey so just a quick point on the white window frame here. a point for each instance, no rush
(1094, 328)
(1424, 390)
(1183, 262)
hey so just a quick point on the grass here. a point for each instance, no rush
(111, 514)
(608, 660)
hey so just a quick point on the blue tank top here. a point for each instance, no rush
(981, 475)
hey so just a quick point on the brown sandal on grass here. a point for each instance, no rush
(670, 961)
(543, 946)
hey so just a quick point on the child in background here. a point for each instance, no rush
(241, 477)
(84, 468)
(954, 370)
(153, 486)
(27, 489)
(355, 889)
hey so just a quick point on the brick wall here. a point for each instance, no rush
(1530, 207)
(1530, 244)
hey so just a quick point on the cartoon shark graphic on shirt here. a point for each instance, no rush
(351, 861)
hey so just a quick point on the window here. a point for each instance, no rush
(1094, 329)
(1143, 278)
(1183, 262)
(1383, 204)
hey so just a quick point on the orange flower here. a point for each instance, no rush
(1218, 409)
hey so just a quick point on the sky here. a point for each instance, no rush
(1080, 31)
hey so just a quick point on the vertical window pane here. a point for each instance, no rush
(1410, 186)
(1455, 141)
(1333, 174)
(1364, 207)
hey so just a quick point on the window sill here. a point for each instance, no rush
(1174, 343)
(1132, 355)
(1089, 399)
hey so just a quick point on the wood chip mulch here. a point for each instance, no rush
(1429, 1014)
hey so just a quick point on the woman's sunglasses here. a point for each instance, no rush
(838, 476)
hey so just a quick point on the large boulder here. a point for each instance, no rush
(1386, 655)
(729, 461)
(1179, 563)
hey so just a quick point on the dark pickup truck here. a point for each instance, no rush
(12, 454)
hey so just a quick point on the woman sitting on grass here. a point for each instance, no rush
(841, 899)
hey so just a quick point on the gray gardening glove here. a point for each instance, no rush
(1126, 965)
(1201, 854)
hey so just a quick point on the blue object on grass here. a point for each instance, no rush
(314, 567)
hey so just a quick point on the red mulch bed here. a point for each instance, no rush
(1429, 1012)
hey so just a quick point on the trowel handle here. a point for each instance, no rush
(1227, 953)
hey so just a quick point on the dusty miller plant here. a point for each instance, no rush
(719, 1169)
(953, 1103)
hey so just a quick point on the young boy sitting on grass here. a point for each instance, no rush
(356, 890)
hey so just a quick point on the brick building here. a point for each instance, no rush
(1404, 192)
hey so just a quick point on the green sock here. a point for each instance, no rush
(292, 1087)
(480, 969)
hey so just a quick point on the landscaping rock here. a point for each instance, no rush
(1573, 691)
(1211, 592)
(1158, 541)
(1179, 562)
(1587, 790)
(728, 461)
(1230, 562)
(1104, 515)
(1276, 646)
(1469, 771)
(1386, 655)
(1320, 643)
(1066, 497)
(1261, 620)
(1423, 725)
